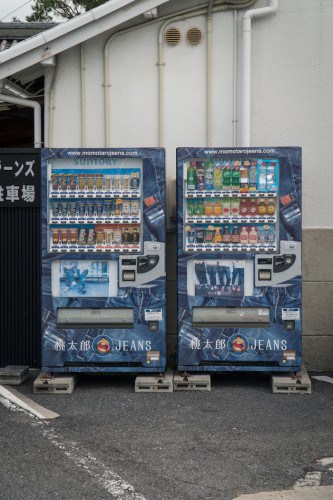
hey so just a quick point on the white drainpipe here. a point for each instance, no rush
(37, 114)
(246, 67)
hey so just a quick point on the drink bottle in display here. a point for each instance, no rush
(244, 207)
(271, 184)
(244, 177)
(209, 175)
(253, 236)
(235, 176)
(234, 207)
(200, 171)
(200, 208)
(270, 206)
(226, 177)
(262, 206)
(200, 235)
(217, 208)
(262, 176)
(244, 236)
(226, 235)
(217, 182)
(209, 236)
(191, 236)
(253, 207)
(191, 176)
(261, 235)
(253, 176)
(208, 208)
(135, 236)
(235, 237)
(190, 207)
(226, 207)
(218, 235)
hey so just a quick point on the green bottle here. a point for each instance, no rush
(191, 177)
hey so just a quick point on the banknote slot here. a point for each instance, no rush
(95, 317)
(239, 317)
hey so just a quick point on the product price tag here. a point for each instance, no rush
(290, 314)
(153, 315)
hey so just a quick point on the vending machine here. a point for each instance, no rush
(239, 259)
(103, 260)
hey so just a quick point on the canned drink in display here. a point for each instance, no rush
(126, 211)
(82, 182)
(64, 208)
(64, 236)
(55, 209)
(135, 180)
(126, 181)
(99, 208)
(90, 208)
(55, 236)
(99, 182)
(72, 182)
(108, 234)
(200, 235)
(118, 207)
(90, 182)
(108, 182)
(99, 236)
(116, 182)
(135, 208)
(82, 208)
(55, 182)
(73, 233)
(63, 182)
(108, 207)
(191, 236)
(73, 208)
(91, 237)
(135, 235)
(117, 236)
(83, 233)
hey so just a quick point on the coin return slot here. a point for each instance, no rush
(264, 275)
(128, 275)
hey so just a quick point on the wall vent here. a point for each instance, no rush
(194, 36)
(172, 36)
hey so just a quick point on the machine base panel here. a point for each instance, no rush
(191, 382)
(154, 383)
(290, 383)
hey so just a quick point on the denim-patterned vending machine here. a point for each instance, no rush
(103, 260)
(239, 259)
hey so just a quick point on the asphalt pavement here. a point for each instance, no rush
(110, 442)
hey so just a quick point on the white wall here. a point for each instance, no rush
(292, 101)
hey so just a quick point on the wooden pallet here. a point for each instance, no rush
(54, 384)
(291, 383)
(13, 375)
(154, 383)
(192, 382)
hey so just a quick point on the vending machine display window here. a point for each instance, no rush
(231, 205)
(94, 206)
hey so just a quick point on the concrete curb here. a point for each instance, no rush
(304, 493)
(26, 403)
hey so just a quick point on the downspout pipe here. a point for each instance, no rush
(37, 114)
(209, 72)
(246, 67)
